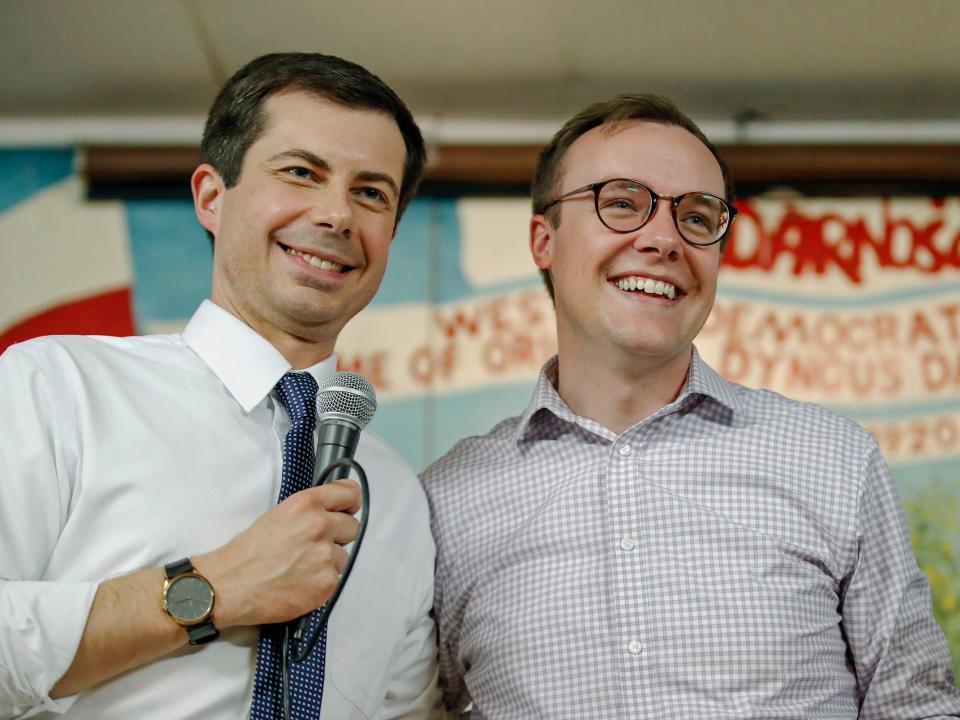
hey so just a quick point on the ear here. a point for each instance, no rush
(208, 188)
(541, 241)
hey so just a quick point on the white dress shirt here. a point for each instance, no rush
(123, 453)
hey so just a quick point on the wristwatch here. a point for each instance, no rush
(188, 598)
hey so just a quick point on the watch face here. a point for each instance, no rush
(189, 599)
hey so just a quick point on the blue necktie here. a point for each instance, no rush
(298, 393)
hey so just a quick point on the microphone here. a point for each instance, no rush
(346, 403)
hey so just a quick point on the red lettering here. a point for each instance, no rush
(371, 367)
(829, 331)
(949, 313)
(794, 327)
(460, 320)
(427, 364)
(920, 327)
(801, 373)
(935, 370)
(885, 329)
(725, 319)
(530, 303)
(734, 361)
(815, 243)
(891, 376)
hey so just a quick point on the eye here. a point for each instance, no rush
(300, 172)
(701, 214)
(700, 224)
(618, 203)
(623, 198)
(373, 197)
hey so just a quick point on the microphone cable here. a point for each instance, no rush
(293, 649)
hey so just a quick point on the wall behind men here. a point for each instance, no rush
(851, 303)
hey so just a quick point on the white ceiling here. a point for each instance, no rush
(490, 63)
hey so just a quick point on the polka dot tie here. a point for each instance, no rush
(298, 393)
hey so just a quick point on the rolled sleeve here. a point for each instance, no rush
(41, 622)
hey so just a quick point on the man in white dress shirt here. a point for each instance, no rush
(120, 456)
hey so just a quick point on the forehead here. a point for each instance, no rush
(361, 137)
(668, 158)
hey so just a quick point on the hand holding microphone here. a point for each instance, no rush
(292, 560)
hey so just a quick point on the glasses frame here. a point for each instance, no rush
(675, 201)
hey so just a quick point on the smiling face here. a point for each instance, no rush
(302, 239)
(636, 299)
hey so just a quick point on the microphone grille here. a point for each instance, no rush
(347, 396)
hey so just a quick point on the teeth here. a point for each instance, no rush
(647, 285)
(317, 262)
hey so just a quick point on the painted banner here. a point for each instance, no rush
(852, 303)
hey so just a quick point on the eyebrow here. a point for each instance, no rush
(320, 163)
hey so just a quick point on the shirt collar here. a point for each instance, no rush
(702, 381)
(245, 362)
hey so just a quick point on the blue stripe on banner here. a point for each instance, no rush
(928, 488)
(453, 416)
(828, 302)
(899, 411)
(25, 172)
(450, 282)
(426, 259)
(172, 260)
(408, 272)
(403, 424)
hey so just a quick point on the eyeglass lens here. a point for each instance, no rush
(625, 206)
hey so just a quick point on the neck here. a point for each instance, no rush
(301, 348)
(300, 352)
(618, 395)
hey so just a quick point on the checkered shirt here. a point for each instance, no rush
(735, 555)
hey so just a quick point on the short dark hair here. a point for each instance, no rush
(610, 113)
(236, 119)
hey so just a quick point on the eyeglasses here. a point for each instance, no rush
(626, 205)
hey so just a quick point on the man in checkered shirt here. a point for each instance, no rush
(648, 540)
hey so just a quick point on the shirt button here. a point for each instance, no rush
(635, 647)
(627, 543)
(625, 450)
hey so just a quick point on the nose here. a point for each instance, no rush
(660, 234)
(331, 208)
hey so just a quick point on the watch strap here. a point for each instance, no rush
(203, 633)
(178, 567)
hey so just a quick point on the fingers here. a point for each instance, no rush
(343, 495)
(327, 512)
(343, 528)
(338, 558)
(339, 496)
